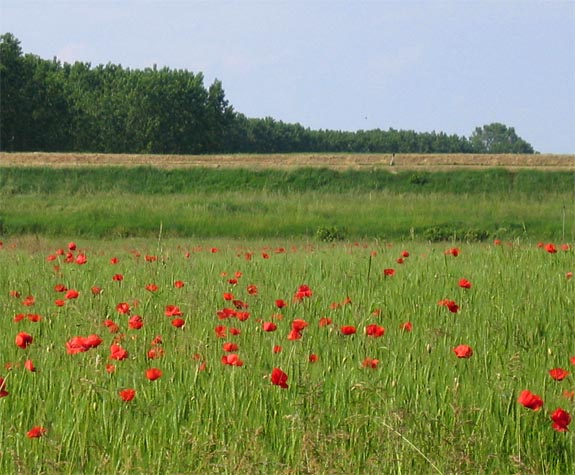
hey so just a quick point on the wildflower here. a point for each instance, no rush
(23, 339)
(230, 347)
(463, 351)
(280, 303)
(127, 394)
(389, 272)
(123, 308)
(153, 373)
(324, 321)
(96, 290)
(454, 251)
(269, 327)
(152, 287)
(29, 365)
(232, 360)
(178, 322)
(178, 284)
(406, 327)
(277, 349)
(313, 358)
(81, 259)
(464, 284)
(220, 331)
(347, 330)
(118, 353)
(530, 400)
(252, 289)
(561, 419)
(374, 330)
(172, 311)
(370, 363)
(298, 324)
(118, 277)
(135, 322)
(279, 378)
(550, 248)
(558, 374)
(3, 392)
(36, 432)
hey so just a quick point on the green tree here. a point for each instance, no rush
(498, 138)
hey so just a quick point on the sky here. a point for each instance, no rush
(445, 66)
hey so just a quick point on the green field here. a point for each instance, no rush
(112, 202)
(417, 409)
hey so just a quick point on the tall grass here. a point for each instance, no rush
(420, 410)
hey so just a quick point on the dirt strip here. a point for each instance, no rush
(291, 161)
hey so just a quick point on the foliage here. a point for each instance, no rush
(49, 106)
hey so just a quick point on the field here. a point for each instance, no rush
(174, 356)
(280, 315)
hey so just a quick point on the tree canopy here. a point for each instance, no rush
(49, 106)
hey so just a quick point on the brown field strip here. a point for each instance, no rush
(291, 161)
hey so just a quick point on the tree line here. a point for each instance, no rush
(49, 106)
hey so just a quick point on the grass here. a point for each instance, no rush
(420, 410)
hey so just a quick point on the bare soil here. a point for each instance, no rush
(291, 161)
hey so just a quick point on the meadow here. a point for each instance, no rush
(286, 356)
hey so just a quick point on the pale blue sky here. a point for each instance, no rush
(346, 65)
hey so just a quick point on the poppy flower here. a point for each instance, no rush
(59, 302)
(277, 349)
(117, 277)
(72, 294)
(265, 255)
(565, 247)
(36, 432)
(23, 339)
(313, 358)
(153, 373)
(152, 287)
(123, 308)
(561, 419)
(454, 251)
(389, 272)
(463, 351)
(230, 347)
(279, 378)
(242, 316)
(302, 292)
(530, 400)
(400, 260)
(178, 284)
(72, 246)
(374, 330)
(178, 322)
(558, 374)
(29, 365)
(347, 330)
(151, 258)
(110, 368)
(135, 322)
(3, 392)
(33, 317)
(127, 394)
(404, 254)
(220, 331)
(450, 304)
(572, 359)
(234, 331)
(228, 296)
(60, 288)
(280, 303)
(269, 327)
(155, 353)
(114, 260)
(294, 335)
(568, 275)
(112, 326)
(497, 242)
(406, 327)
(464, 284)
(550, 248)
(298, 324)
(29, 301)
(370, 363)
(81, 259)
(232, 281)
(252, 289)
(324, 321)
(118, 353)
(96, 290)
(232, 360)
(172, 311)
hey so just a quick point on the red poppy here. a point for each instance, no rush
(565, 247)
(220, 331)
(252, 289)
(96, 290)
(60, 288)
(561, 419)
(172, 311)
(153, 373)
(568, 275)
(152, 287)
(558, 374)
(269, 326)
(234, 331)
(3, 392)
(374, 330)
(388, 272)
(279, 378)
(112, 326)
(123, 308)
(228, 296)
(370, 363)
(572, 359)
(463, 351)
(110, 368)
(454, 251)
(324, 321)
(450, 304)
(127, 394)
(114, 260)
(178, 284)
(277, 349)
(59, 302)
(313, 358)
(151, 258)
(29, 365)
(406, 327)
(404, 254)
(265, 255)
(497, 242)
(294, 335)
(242, 316)
(23, 339)
(550, 248)
(36, 432)
(464, 284)
(230, 347)
(72, 246)
(154, 353)
(135, 322)
(81, 259)
(118, 353)
(232, 360)
(232, 281)
(400, 260)
(29, 301)
(80, 344)
(117, 277)
(347, 330)
(280, 303)
(15, 294)
(34, 317)
(530, 400)
(298, 324)
(302, 292)
(178, 322)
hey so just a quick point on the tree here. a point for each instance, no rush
(498, 138)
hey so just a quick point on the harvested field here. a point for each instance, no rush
(290, 161)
